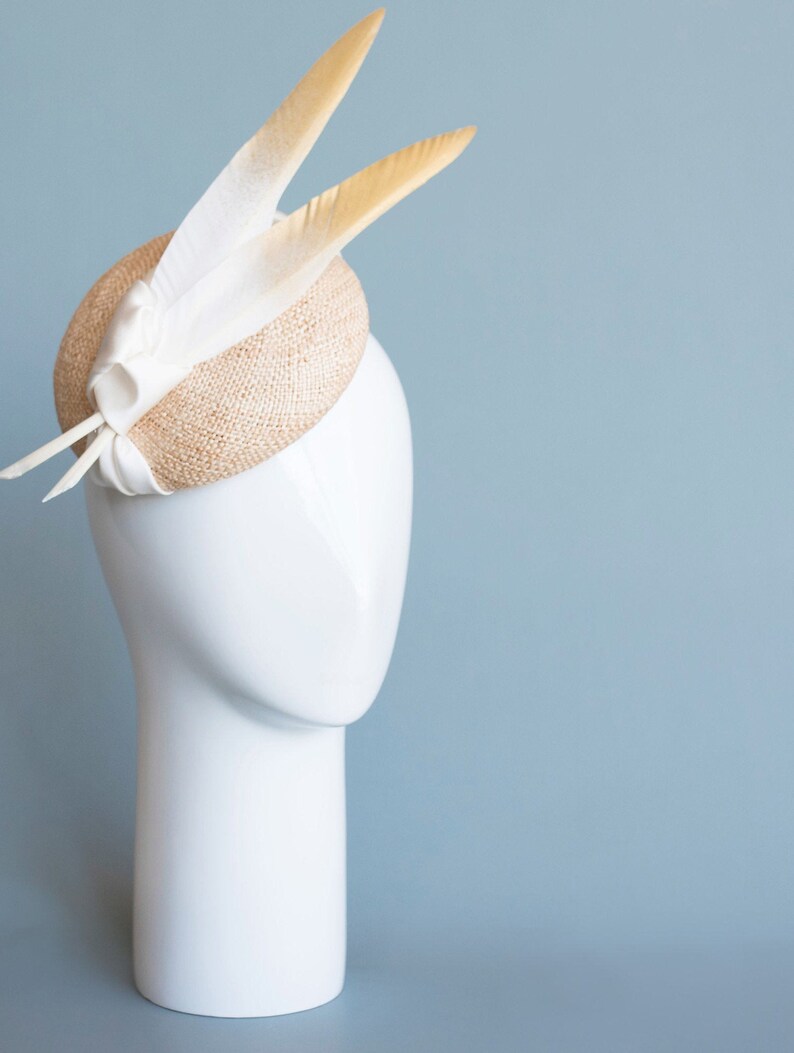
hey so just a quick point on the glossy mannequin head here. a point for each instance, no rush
(281, 585)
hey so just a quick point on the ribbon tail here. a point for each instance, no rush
(82, 464)
(50, 449)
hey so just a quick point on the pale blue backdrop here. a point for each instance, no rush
(571, 817)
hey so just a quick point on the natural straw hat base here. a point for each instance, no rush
(244, 405)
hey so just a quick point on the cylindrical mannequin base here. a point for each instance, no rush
(239, 902)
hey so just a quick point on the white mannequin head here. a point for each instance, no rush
(260, 611)
(281, 585)
(260, 614)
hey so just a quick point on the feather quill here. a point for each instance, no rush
(56, 445)
(76, 472)
(242, 200)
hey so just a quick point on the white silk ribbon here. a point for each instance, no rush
(126, 381)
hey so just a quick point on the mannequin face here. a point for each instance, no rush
(282, 585)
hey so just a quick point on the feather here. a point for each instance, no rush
(242, 200)
(272, 271)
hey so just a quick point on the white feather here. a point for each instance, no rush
(242, 200)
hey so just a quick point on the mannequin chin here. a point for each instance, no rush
(260, 614)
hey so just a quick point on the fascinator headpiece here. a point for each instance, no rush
(206, 351)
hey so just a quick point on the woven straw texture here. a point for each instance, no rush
(245, 404)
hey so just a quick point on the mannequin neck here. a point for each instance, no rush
(240, 853)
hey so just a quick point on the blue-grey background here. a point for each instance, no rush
(571, 817)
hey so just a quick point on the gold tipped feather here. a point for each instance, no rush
(260, 171)
(271, 272)
(324, 225)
